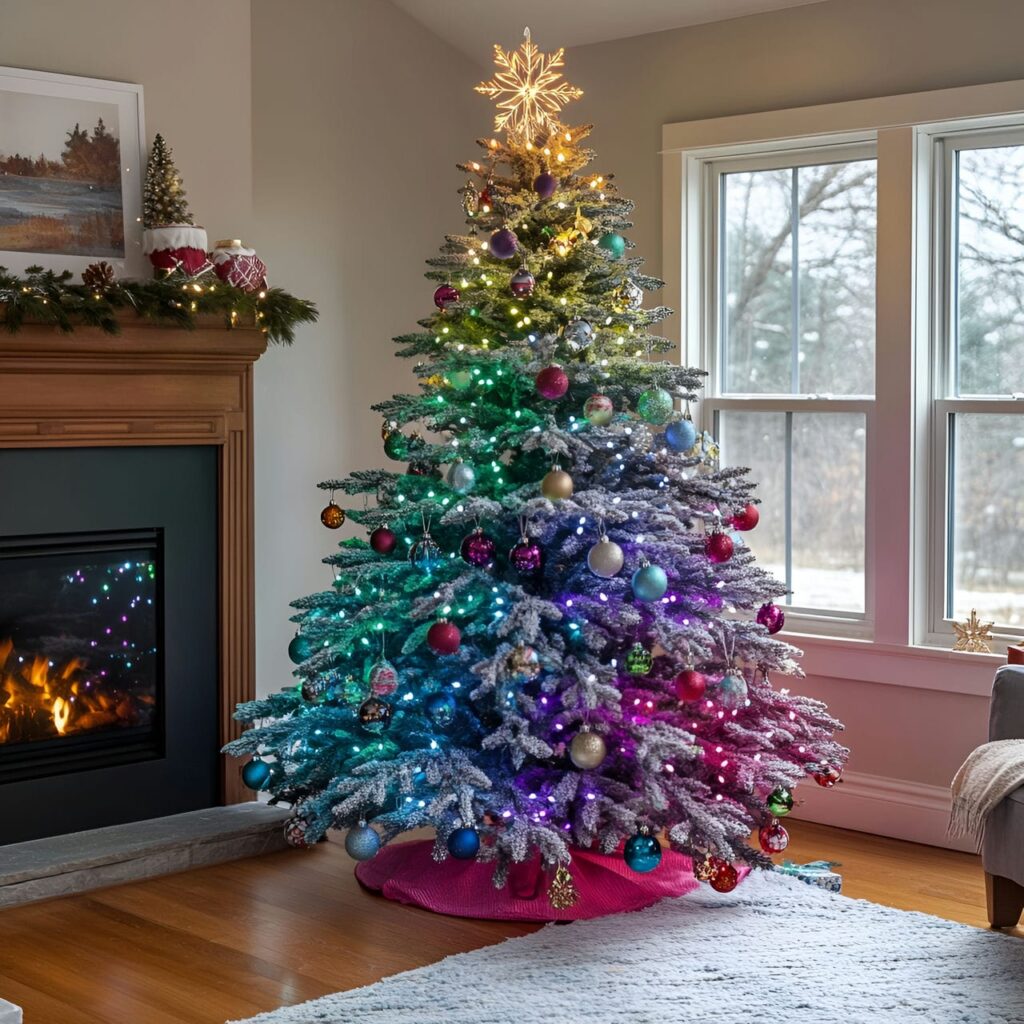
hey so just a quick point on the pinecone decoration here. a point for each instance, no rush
(99, 277)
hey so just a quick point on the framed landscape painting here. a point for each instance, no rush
(71, 170)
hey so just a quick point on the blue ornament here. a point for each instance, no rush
(440, 708)
(362, 842)
(425, 554)
(649, 582)
(256, 774)
(732, 690)
(464, 843)
(681, 435)
(614, 244)
(300, 649)
(642, 853)
(461, 477)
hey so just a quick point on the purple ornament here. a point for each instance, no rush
(478, 549)
(771, 617)
(445, 295)
(545, 185)
(526, 557)
(503, 244)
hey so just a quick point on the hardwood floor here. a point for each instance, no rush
(233, 940)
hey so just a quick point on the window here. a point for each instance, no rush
(794, 360)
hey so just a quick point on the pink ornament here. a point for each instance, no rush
(478, 549)
(444, 637)
(690, 685)
(746, 518)
(718, 547)
(446, 295)
(771, 617)
(773, 837)
(526, 557)
(383, 540)
(503, 244)
(552, 383)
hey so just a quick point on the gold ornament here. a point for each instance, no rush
(333, 516)
(527, 91)
(557, 485)
(437, 380)
(565, 240)
(704, 870)
(973, 635)
(587, 750)
(562, 892)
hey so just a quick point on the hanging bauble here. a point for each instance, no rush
(613, 243)
(605, 558)
(704, 868)
(256, 774)
(315, 689)
(587, 750)
(383, 540)
(446, 295)
(487, 201)
(639, 660)
(773, 837)
(478, 549)
(383, 678)
(396, 446)
(503, 244)
(440, 709)
(362, 842)
(725, 878)
(332, 516)
(599, 410)
(578, 334)
(444, 637)
(295, 830)
(551, 383)
(779, 802)
(300, 649)
(690, 684)
(526, 557)
(746, 518)
(556, 485)
(642, 852)
(627, 296)
(464, 843)
(522, 664)
(826, 775)
(461, 477)
(649, 582)
(545, 184)
(718, 546)
(460, 379)
(470, 198)
(425, 554)
(732, 689)
(655, 406)
(375, 714)
(522, 283)
(681, 435)
(771, 616)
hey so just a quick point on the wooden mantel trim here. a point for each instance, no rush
(155, 385)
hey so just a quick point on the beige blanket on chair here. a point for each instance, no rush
(990, 773)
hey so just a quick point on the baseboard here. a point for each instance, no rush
(898, 808)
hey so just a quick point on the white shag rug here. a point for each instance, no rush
(774, 950)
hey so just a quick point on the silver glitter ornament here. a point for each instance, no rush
(578, 334)
(587, 750)
(461, 477)
(605, 558)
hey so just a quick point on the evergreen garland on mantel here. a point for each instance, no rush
(45, 297)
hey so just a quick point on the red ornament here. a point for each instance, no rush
(383, 540)
(238, 265)
(725, 878)
(746, 519)
(444, 637)
(446, 295)
(826, 775)
(690, 685)
(773, 837)
(718, 547)
(552, 383)
(771, 617)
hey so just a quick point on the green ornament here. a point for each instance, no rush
(639, 660)
(655, 406)
(396, 446)
(613, 243)
(780, 802)
(353, 690)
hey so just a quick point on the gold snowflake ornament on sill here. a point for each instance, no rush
(973, 635)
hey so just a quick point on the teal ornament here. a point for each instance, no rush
(639, 660)
(732, 690)
(461, 477)
(362, 842)
(779, 802)
(425, 554)
(642, 853)
(440, 708)
(613, 243)
(300, 649)
(396, 446)
(464, 843)
(256, 774)
(681, 435)
(655, 406)
(649, 582)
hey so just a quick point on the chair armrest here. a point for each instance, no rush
(1006, 712)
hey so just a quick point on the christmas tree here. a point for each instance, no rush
(163, 197)
(553, 639)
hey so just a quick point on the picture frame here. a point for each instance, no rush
(72, 166)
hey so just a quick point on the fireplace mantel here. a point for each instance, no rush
(154, 385)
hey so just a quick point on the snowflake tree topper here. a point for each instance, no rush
(527, 91)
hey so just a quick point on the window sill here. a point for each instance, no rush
(914, 666)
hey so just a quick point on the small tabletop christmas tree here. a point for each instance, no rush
(163, 197)
(552, 640)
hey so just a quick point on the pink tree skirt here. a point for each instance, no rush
(406, 873)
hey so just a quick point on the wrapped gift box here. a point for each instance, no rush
(817, 872)
(1015, 654)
